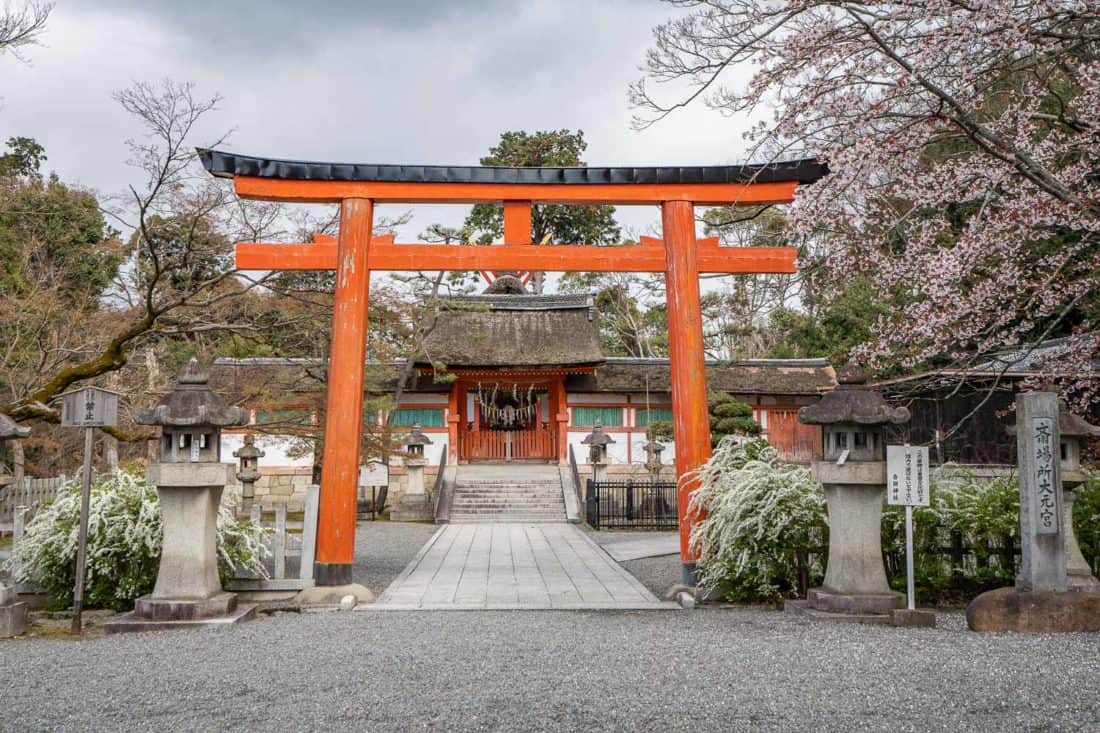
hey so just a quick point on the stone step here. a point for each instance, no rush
(529, 487)
(517, 519)
(509, 495)
(460, 482)
(475, 508)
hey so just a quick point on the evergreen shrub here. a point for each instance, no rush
(124, 543)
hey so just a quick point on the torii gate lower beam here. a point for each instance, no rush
(356, 253)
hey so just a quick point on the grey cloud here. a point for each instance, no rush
(292, 26)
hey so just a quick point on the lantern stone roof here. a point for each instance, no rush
(416, 437)
(853, 403)
(192, 403)
(1070, 425)
(249, 449)
(597, 436)
(514, 330)
(1073, 425)
(11, 429)
(224, 164)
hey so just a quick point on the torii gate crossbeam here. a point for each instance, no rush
(355, 253)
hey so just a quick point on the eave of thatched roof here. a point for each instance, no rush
(757, 376)
(514, 330)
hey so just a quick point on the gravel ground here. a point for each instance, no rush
(656, 573)
(383, 549)
(714, 669)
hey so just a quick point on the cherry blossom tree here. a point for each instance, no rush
(963, 139)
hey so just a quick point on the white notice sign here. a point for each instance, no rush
(907, 475)
(375, 473)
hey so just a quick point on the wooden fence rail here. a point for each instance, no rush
(287, 539)
(33, 493)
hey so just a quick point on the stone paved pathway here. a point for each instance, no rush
(514, 566)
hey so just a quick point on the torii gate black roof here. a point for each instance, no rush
(227, 165)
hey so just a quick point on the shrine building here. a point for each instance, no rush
(490, 377)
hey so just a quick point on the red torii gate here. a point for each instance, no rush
(355, 253)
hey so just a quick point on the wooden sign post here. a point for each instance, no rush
(88, 408)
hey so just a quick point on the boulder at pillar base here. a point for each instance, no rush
(330, 595)
(1041, 612)
(413, 508)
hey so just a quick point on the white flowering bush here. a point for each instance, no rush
(765, 529)
(124, 543)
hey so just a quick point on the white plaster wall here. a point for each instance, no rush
(432, 453)
(275, 449)
(616, 452)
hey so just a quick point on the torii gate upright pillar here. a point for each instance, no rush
(344, 400)
(687, 362)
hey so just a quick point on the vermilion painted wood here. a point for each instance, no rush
(687, 362)
(552, 258)
(517, 222)
(344, 403)
(703, 194)
(456, 405)
(561, 418)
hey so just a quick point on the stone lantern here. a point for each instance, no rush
(653, 450)
(414, 505)
(597, 442)
(1073, 428)
(248, 472)
(190, 479)
(10, 430)
(13, 612)
(853, 418)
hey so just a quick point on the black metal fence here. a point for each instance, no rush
(631, 504)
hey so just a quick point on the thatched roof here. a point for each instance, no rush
(514, 330)
(757, 376)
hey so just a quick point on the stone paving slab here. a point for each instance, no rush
(514, 566)
(657, 545)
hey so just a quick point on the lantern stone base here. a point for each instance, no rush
(1082, 583)
(13, 613)
(413, 508)
(180, 614)
(1041, 612)
(185, 609)
(1079, 575)
(830, 601)
(803, 608)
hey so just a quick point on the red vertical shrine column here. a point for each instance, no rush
(344, 401)
(690, 420)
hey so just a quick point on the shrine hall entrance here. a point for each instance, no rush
(507, 421)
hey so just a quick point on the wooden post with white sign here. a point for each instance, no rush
(907, 485)
(88, 408)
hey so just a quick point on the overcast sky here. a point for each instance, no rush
(415, 81)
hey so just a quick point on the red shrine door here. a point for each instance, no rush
(505, 421)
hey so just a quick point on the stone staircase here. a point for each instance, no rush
(517, 493)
